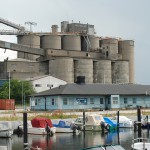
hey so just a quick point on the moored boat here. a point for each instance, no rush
(112, 125)
(124, 122)
(40, 126)
(141, 144)
(93, 122)
(5, 131)
(62, 127)
(105, 147)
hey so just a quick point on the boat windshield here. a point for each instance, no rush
(80, 120)
(97, 118)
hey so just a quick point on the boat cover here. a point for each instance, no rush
(40, 122)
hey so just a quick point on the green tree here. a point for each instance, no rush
(17, 90)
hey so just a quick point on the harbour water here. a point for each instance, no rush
(69, 141)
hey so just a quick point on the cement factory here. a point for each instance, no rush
(74, 51)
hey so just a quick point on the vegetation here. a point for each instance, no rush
(18, 90)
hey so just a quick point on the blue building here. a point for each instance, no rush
(92, 96)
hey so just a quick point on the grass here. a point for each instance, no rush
(56, 114)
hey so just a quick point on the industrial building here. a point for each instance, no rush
(92, 96)
(46, 82)
(74, 51)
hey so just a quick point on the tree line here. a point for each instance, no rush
(18, 90)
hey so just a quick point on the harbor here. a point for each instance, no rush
(72, 141)
(75, 140)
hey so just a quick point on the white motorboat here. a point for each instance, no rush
(124, 122)
(105, 147)
(40, 126)
(5, 132)
(141, 144)
(38, 131)
(93, 122)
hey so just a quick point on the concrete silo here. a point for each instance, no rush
(62, 68)
(109, 47)
(102, 71)
(89, 43)
(84, 67)
(64, 26)
(126, 49)
(71, 42)
(120, 72)
(54, 28)
(51, 42)
(30, 40)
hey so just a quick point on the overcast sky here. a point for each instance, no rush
(128, 19)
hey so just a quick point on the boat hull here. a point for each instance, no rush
(64, 130)
(6, 133)
(38, 131)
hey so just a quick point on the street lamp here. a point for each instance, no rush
(23, 96)
(22, 92)
(9, 83)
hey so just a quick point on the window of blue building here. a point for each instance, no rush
(134, 100)
(115, 100)
(101, 101)
(53, 101)
(108, 100)
(65, 102)
(125, 100)
(91, 100)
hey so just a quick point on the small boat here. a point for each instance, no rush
(93, 122)
(124, 122)
(141, 144)
(105, 147)
(40, 126)
(112, 125)
(62, 127)
(145, 123)
(5, 132)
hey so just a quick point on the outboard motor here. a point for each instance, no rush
(102, 126)
(18, 131)
(48, 130)
(75, 127)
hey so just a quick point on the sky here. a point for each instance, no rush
(128, 19)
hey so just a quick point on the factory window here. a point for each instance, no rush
(125, 100)
(53, 101)
(101, 101)
(13, 65)
(106, 53)
(65, 102)
(91, 100)
(37, 85)
(132, 43)
(134, 100)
